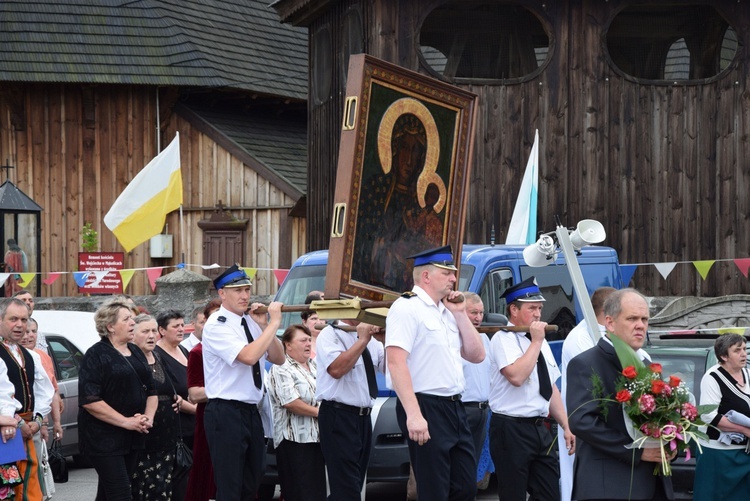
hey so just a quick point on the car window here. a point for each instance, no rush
(66, 356)
(688, 368)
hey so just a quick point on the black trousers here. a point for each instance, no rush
(523, 450)
(114, 474)
(234, 433)
(345, 439)
(445, 467)
(477, 420)
(302, 471)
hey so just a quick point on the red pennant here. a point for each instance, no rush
(54, 276)
(153, 274)
(280, 275)
(743, 265)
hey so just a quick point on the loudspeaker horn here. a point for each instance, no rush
(588, 232)
(540, 254)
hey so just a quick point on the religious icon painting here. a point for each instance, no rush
(402, 178)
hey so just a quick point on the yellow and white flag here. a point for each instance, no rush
(141, 209)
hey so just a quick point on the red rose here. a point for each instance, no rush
(657, 387)
(629, 372)
(656, 368)
(674, 381)
(623, 396)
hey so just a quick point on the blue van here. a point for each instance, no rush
(487, 270)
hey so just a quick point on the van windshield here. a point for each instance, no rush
(464, 276)
(300, 281)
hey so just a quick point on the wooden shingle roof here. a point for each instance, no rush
(238, 44)
(272, 144)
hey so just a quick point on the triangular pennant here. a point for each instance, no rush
(250, 272)
(665, 268)
(627, 271)
(23, 282)
(743, 265)
(98, 276)
(210, 266)
(703, 267)
(153, 274)
(3, 278)
(126, 275)
(731, 330)
(51, 278)
(80, 277)
(280, 275)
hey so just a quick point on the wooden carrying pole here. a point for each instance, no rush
(482, 328)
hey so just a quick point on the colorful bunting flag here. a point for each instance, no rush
(51, 278)
(743, 265)
(98, 276)
(80, 277)
(126, 275)
(280, 275)
(250, 272)
(210, 266)
(3, 278)
(665, 268)
(153, 274)
(25, 279)
(703, 267)
(627, 271)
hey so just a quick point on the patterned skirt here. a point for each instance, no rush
(152, 479)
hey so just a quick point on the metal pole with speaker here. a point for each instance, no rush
(542, 253)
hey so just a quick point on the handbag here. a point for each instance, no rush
(183, 460)
(183, 456)
(57, 463)
(49, 481)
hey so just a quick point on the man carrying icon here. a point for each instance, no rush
(523, 394)
(428, 335)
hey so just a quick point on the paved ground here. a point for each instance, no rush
(81, 486)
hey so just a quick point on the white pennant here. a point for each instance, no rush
(209, 266)
(3, 278)
(98, 276)
(665, 268)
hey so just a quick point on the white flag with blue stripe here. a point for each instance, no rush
(522, 230)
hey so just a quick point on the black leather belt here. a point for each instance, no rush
(478, 405)
(362, 411)
(234, 403)
(537, 421)
(450, 398)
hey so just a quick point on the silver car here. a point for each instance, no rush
(69, 334)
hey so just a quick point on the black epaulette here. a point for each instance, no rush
(408, 294)
(221, 319)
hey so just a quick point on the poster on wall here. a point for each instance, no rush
(96, 263)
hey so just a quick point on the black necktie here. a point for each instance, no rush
(256, 366)
(372, 383)
(545, 387)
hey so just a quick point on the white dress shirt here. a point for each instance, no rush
(8, 405)
(351, 388)
(477, 376)
(429, 334)
(519, 401)
(226, 377)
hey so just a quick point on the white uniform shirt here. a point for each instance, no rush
(519, 401)
(351, 388)
(428, 332)
(8, 405)
(226, 377)
(190, 342)
(477, 376)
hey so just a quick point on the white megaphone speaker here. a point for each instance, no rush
(588, 232)
(541, 253)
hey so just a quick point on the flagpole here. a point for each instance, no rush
(182, 236)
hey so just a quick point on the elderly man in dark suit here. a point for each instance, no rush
(604, 467)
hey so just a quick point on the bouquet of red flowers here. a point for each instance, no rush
(660, 413)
